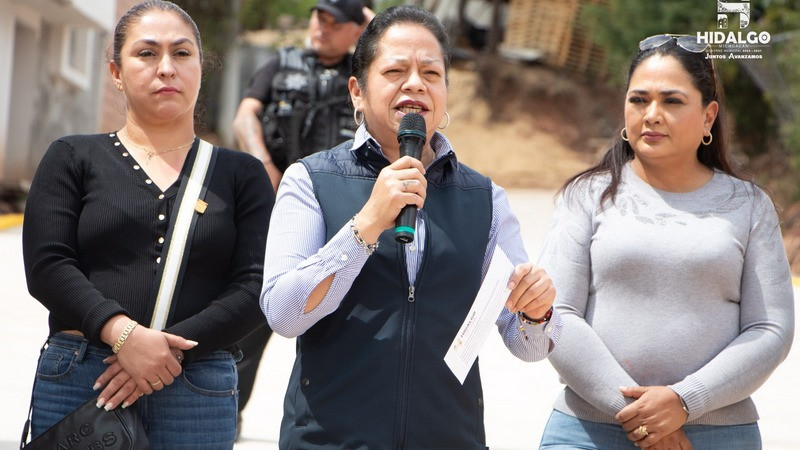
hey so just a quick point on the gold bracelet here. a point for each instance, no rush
(683, 405)
(124, 335)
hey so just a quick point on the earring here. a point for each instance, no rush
(356, 116)
(446, 114)
(623, 134)
(710, 139)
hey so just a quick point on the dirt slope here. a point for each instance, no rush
(514, 153)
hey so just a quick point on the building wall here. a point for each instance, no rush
(62, 108)
(22, 110)
(112, 105)
(51, 63)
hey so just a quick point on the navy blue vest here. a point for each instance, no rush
(371, 375)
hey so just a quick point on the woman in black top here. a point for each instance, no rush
(96, 225)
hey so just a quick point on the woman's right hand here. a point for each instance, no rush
(148, 358)
(119, 388)
(399, 184)
(146, 354)
(657, 408)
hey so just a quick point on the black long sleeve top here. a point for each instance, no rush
(94, 231)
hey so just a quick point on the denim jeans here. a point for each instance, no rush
(567, 432)
(196, 411)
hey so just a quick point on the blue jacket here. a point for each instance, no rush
(372, 374)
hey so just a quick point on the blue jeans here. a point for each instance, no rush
(567, 432)
(197, 411)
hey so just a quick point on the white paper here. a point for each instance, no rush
(486, 308)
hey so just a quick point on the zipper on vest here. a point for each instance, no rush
(409, 328)
(405, 378)
(406, 356)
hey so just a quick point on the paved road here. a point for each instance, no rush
(518, 395)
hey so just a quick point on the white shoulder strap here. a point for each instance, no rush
(180, 233)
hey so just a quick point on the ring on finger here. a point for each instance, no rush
(155, 383)
(642, 431)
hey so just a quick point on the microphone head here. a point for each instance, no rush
(412, 124)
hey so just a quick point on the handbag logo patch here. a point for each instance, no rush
(73, 440)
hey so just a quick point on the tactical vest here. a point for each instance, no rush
(371, 375)
(309, 108)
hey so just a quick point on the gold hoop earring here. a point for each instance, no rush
(356, 116)
(446, 114)
(710, 139)
(623, 134)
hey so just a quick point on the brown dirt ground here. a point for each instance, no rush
(514, 153)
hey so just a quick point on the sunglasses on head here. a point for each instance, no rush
(684, 41)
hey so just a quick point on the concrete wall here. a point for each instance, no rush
(113, 106)
(51, 76)
(241, 63)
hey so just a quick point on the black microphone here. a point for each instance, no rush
(411, 137)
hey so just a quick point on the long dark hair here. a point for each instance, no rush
(716, 155)
(367, 46)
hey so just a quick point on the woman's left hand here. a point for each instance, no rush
(676, 440)
(120, 388)
(532, 291)
(656, 413)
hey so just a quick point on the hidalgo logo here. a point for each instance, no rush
(724, 8)
(725, 12)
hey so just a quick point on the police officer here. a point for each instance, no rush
(296, 104)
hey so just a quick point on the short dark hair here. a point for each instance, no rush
(139, 10)
(367, 46)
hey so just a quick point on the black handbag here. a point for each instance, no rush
(91, 427)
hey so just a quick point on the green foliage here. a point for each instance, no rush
(214, 20)
(258, 14)
(782, 19)
(381, 5)
(789, 61)
(218, 28)
(620, 25)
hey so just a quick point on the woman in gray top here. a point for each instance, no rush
(672, 277)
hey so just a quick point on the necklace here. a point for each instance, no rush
(153, 152)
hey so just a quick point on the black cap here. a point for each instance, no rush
(343, 10)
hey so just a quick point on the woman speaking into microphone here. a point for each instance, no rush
(374, 317)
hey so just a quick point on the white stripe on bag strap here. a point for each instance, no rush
(179, 234)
